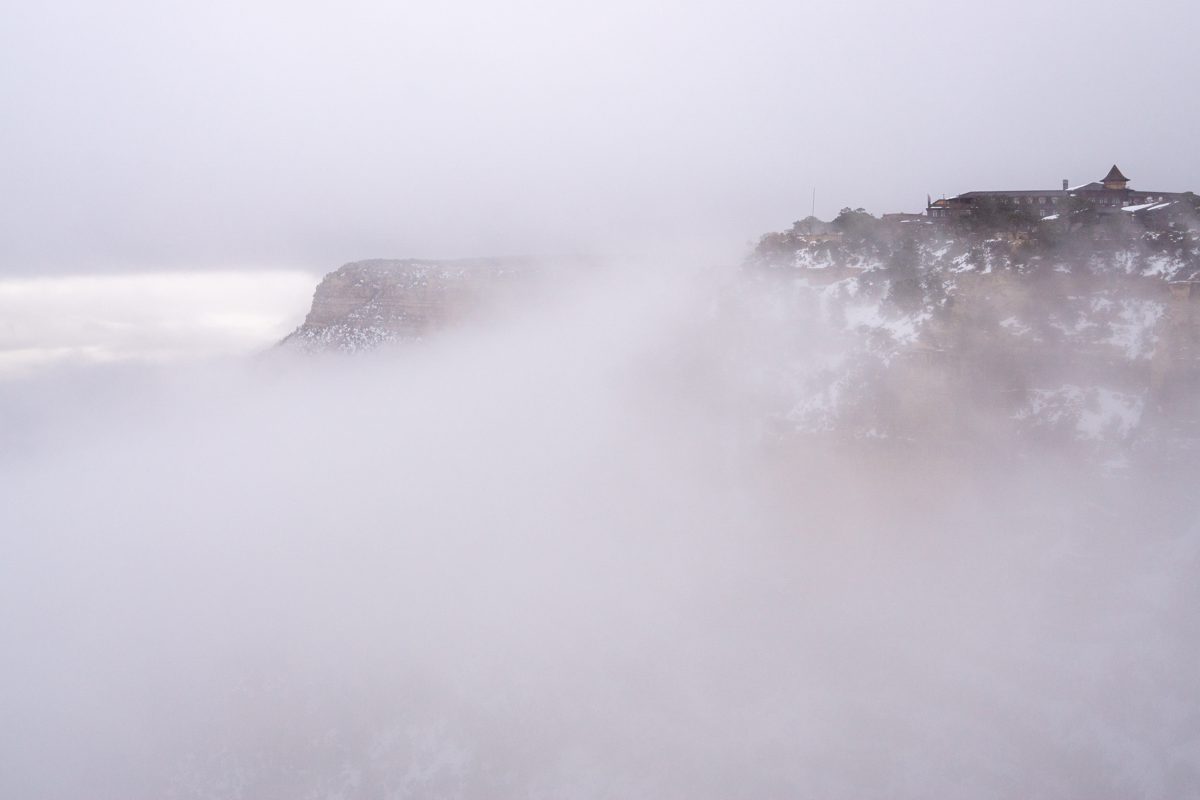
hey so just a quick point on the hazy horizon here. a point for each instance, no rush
(142, 136)
(891, 509)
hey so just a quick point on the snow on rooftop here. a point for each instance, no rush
(1147, 206)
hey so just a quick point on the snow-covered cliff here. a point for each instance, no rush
(1075, 332)
(365, 304)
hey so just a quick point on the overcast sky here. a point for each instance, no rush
(143, 135)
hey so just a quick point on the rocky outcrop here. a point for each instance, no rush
(1086, 334)
(368, 303)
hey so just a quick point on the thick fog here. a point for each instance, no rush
(161, 317)
(561, 554)
(575, 548)
(142, 134)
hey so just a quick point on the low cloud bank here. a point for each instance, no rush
(155, 317)
(564, 555)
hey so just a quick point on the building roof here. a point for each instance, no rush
(1094, 191)
(1017, 193)
(1114, 174)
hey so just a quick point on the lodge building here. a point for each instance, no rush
(1110, 193)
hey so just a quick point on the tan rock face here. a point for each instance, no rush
(367, 303)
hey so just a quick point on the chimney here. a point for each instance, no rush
(1065, 184)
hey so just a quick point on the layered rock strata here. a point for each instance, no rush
(367, 303)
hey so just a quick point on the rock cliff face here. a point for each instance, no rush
(368, 303)
(1083, 332)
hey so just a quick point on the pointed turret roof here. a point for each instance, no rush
(1114, 174)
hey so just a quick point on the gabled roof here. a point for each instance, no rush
(1114, 174)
